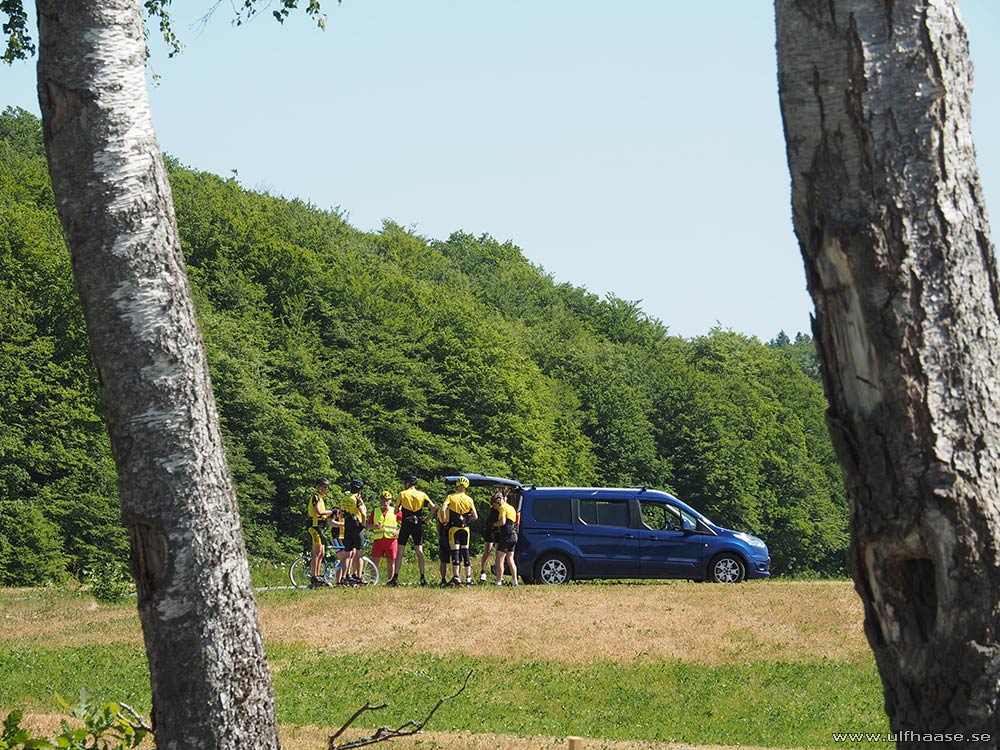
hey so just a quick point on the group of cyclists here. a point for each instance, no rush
(394, 525)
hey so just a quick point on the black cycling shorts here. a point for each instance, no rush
(411, 530)
(444, 549)
(490, 532)
(506, 542)
(353, 536)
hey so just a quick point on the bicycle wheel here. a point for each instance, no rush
(369, 571)
(298, 572)
(330, 567)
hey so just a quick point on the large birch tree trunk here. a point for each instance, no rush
(892, 226)
(210, 683)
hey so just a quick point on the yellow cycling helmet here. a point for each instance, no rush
(462, 482)
(387, 494)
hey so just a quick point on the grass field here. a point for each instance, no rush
(763, 664)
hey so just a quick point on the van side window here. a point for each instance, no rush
(604, 512)
(552, 510)
(660, 517)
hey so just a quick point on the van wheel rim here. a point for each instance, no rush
(554, 571)
(727, 570)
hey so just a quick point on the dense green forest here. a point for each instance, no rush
(343, 353)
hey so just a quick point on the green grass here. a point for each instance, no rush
(764, 703)
(266, 574)
(30, 678)
(768, 703)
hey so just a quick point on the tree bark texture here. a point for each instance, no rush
(892, 225)
(210, 683)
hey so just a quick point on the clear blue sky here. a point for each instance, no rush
(633, 148)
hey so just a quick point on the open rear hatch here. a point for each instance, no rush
(481, 480)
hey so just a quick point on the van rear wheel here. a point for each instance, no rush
(553, 569)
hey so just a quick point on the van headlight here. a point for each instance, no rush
(751, 540)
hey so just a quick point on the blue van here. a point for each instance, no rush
(569, 533)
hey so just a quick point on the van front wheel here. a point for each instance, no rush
(553, 569)
(726, 568)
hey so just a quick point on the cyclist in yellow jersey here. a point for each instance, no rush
(457, 511)
(505, 531)
(354, 512)
(411, 505)
(317, 515)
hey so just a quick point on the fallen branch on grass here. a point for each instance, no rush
(387, 733)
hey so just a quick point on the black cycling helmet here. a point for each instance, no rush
(322, 482)
(357, 484)
(411, 479)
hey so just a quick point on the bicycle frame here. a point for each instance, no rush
(300, 567)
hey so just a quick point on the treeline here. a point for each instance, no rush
(349, 354)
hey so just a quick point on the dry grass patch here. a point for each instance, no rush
(706, 623)
(769, 620)
(50, 617)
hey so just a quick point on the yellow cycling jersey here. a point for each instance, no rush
(413, 500)
(459, 504)
(317, 510)
(507, 513)
(351, 504)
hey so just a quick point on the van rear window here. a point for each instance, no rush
(552, 510)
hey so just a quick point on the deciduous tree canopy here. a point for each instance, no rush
(350, 354)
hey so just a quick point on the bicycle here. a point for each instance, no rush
(298, 571)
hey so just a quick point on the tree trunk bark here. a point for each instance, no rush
(210, 683)
(892, 226)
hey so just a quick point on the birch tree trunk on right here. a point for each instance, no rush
(892, 227)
